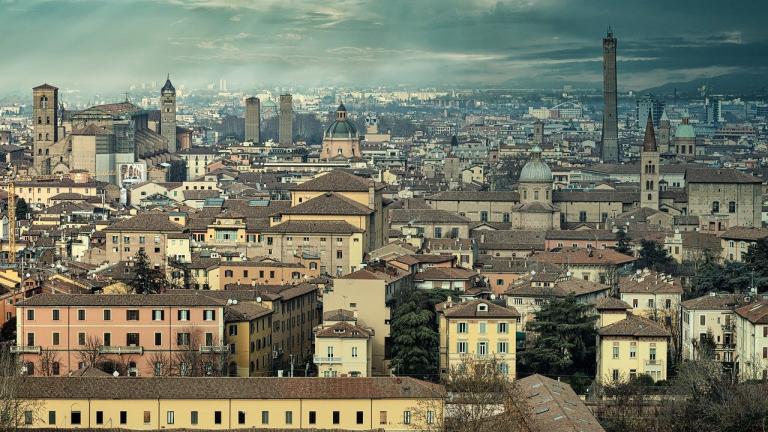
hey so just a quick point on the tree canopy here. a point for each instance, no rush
(654, 256)
(146, 278)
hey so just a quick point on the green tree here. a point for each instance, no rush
(22, 209)
(415, 342)
(565, 338)
(146, 279)
(654, 256)
(622, 242)
(756, 259)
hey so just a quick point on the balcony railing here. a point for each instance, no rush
(121, 350)
(729, 327)
(653, 362)
(214, 348)
(25, 349)
(324, 360)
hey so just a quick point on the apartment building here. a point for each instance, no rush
(596, 265)
(651, 294)
(155, 233)
(343, 346)
(751, 325)
(388, 403)
(711, 314)
(480, 330)
(629, 345)
(60, 333)
(366, 293)
(248, 335)
(736, 241)
(264, 271)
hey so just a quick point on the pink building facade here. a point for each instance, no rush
(133, 334)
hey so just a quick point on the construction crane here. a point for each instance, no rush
(12, 220)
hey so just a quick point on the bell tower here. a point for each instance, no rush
(649, 166)
(45, 116)
(168, 114)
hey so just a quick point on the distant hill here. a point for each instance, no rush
(736, 83)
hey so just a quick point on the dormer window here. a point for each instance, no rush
(482, 307)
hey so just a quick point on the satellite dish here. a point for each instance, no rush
(258, 299)
(533, 272)
(115, 374)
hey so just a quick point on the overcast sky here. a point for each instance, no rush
(105, 45)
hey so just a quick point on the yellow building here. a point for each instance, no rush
(249, 336)
(387, 403)
(629, 345)
(343, 346)
(478, 329)
(651, 294)
(752, 341)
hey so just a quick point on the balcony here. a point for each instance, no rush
(652, 365)
(24, 349)
(327, 360)
(729, 327)
(121, 350)
(207, 349)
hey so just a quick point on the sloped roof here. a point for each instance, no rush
(335, 181)
(149, 222)
(634, 325)
(555, 407)
(329, 203)
(469, 309)
(320, 227)
(611, 303)
(756, 313)
(344, 330)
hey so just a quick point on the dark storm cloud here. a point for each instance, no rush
(102, 44)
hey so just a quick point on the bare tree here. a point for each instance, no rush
(481, 398)
(89, 354)
(161, 363)
(14, 410)
(191, 359)
(48, 362)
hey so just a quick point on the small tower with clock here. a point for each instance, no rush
(168, 114)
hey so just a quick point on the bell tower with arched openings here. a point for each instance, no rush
(45, 120)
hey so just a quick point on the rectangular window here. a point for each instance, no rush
(503, 347)
(289, 417)
(158, 315)
(482, 328)
(171, 418)
(193, 417)
(30, 314)
(312, 417)
(147, 417)
(209, 315)
(132, 315)
(382, 417)
(359, 417)
(107, 339)
(183, 315)
(265, 417)
(123, 417)
(461, 347)
(28, 417)
(336, 417)
(107, 314)
(217, 417)
(182, 339)
(703, 320)
(55, 338)
(406, 417)
(241, 417)
(615, 350)
(81, 314)
(633, 350)
(482, 348)
(75, 417)
(158, 338)
(81, 338)
(461, 327)
(56, 314)
(51, 417)
(502, 328)
(132, 339)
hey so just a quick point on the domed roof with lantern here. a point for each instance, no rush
(536, 170)
(342, 127)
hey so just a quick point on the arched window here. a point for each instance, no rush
(47, 120)
(40, 136)
(525, 194)
(715, 206)
(732, 207)
(47, 136)
(536, 195)
(39, 120)
(43, 102)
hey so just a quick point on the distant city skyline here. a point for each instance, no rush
(105, 46)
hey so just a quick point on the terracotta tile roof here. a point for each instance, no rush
(344, 330)
(329, 203)
(335, 181)
(650, 282)
(756, 313)
(597, 234)
(509, 240)
(505, 196)
(339, 315)
(317, 227)
(634, 325)
(555, 406)
(444, 273)
(388, 275)
(745, 233)
(611, 303)
(127, 388)
(715, 301)
(715, 175)
(245, 312)
(469, 309)
(561, 288)
(120, 300)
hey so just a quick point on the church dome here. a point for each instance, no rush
(685, 130)
(536, 170)
(341, 127)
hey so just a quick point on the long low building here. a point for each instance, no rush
(387, 403)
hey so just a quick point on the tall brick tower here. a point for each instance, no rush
(609, 148)
(168, 114)
(285, 133)
(45, 117)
